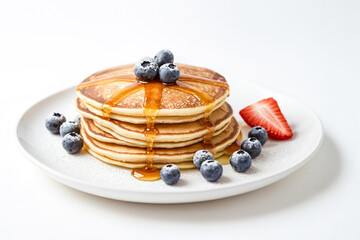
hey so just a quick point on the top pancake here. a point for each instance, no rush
(174, 102)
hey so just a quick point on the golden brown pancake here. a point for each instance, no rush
(120, 154)
(104, 134)
(181, 132)
(181, 165)
(142, 120)
(174, 102)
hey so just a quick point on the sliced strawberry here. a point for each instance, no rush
(266, 113)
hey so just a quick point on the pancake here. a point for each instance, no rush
(121, 155)
(181, 165)
(165, 132)
(143, 126)
(142, 120)
(104, 134)
(184, 99)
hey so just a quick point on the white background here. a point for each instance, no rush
(308, 50)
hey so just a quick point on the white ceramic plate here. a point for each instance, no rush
(85, 173)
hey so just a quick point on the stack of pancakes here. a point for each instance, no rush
(117, 111)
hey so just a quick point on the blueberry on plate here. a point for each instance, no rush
(252, 146)
(211, 170)
(54, 121)
(164, 56)
(146, 69)
(170, 174)
(72, 142)
(169, 73)
(201, 156)
(259, 133)
(68, 127)
(240, 161)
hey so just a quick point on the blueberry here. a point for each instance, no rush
(77, 119)
(68, 127)
(240, 161)
(169, 73)
(54, 121)
(170, 174)
(201, 156)
(259, 133)
(146, 69)
(164, 56)
(72, 142)
(211, 170)
(252, 146)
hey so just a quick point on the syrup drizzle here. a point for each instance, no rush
(208, 102)
(192, 78)
(120, 95)
(125, 78)
(152, 101)
(235, 146)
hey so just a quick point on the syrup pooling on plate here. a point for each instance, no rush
(152, 100)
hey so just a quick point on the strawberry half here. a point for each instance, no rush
(266, 113)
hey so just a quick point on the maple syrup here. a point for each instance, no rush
(235, 146)
(146, 174)
(120, 95)
(206, 122)
(207, 141)
(152, 101)
(208, 102)
(203, 80)
(124, 78)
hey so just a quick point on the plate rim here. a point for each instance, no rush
(61, 177)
